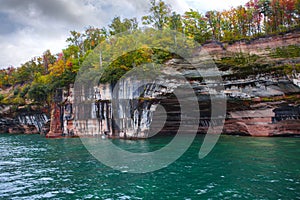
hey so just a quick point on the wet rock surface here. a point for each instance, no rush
(23, 123)
(12, 126)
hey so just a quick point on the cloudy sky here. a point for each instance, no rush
(29, 27)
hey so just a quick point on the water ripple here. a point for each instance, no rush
(32, 167)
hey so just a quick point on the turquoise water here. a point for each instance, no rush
(32, 167)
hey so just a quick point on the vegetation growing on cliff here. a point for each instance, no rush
(291, 51)
(36, 80)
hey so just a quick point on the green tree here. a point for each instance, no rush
(214, 22)
(241, 15)
(119, 26)
(254, 17)
(264, 7)
(159, 14)
(228, 24)
(39, 93)
(94, 36)
(195, 26)
(175, 22)
(27, 71)
(48, 59)
(75, 38)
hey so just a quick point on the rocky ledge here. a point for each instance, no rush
(9, 125)
(33, 122)
(265, 119)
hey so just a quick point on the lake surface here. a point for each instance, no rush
(32, 167)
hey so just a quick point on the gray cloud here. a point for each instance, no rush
(26, 10)
(29, 27)
(7, 25)
(75, 13)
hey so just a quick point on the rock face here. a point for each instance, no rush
(259, 46)
(141, 116)
(13, 126)
(21, 121)
(6, 124)
(55, 122)
(258, 103)
(267, 120)
(36, 120)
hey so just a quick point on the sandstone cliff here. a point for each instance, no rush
(259, 83)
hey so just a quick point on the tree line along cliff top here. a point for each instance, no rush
(35, 81)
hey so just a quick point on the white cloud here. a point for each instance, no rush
(29, 27)
(23, 45)
(33, 26)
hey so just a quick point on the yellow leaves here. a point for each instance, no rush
(57, 68)
(146, 51)
(144, 46)
(69, 64)
(124, 67)
(40, 59)
(43, 79)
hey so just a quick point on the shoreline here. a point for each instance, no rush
(160, 135)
